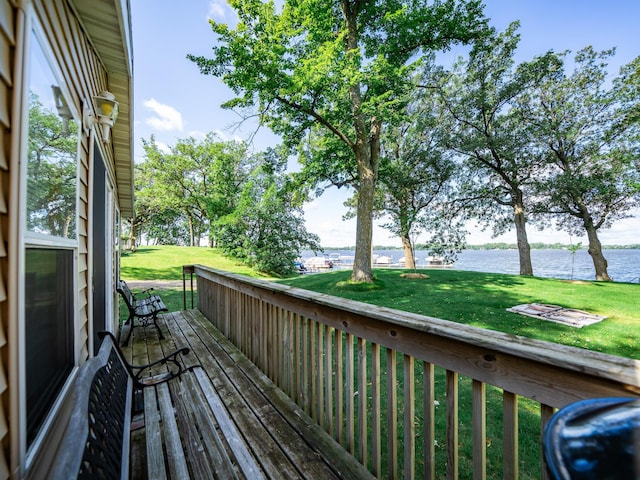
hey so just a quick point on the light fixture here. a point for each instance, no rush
(107, 112)
(63, 109)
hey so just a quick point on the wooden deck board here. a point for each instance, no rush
(275, 421)
(266, 452)
(278, 447)
(268, 434)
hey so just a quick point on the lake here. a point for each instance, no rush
(624, 264)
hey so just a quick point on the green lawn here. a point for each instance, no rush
(481, 299)
(473, 298)
(165, 262)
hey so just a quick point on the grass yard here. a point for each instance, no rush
(165, 263)
(481, 300)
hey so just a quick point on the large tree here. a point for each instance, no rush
(341, 67)
(590, 135)
(499, 164)
(217, 171)
(171, 186)
(198, 181)
(414, 177)
(266, 229)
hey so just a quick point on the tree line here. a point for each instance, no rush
(241, 202)
(354, 91)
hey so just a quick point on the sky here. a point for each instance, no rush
(173, 100)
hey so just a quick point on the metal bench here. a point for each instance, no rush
(96, 441)
(145, 307)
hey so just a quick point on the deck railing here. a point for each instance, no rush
(410, 396)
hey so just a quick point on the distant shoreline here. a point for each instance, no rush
(500, 246)
(623, 263)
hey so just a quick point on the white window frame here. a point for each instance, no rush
(27, 239)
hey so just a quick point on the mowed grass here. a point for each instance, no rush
(472, 298)
(481, 300)
(165, 262)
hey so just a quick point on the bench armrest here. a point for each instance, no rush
(147, 293)
(175, 364)
(174, 361)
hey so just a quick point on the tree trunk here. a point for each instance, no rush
(595, 250)
(191, 232)
(366, 149)
(409, 258)
(524, 249)
(362, 271)
(132, 236)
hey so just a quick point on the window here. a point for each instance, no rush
(52, 151)
(50, 240)
(49, 329)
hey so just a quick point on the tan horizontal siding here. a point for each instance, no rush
(5, 62)
(8, 19)
(7, 23)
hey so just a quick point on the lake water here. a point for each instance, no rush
(624, 265)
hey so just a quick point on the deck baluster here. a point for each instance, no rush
(452, 425)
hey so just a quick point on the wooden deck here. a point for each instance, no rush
(258, 432)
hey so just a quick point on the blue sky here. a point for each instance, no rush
(172, 100)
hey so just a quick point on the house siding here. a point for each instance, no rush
(84, 74)
(8, 18)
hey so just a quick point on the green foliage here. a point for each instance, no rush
(245, 203)
(181, 194)
(447, 238)
(329, 76)
(266, 229)
(415, 173)
(627, 85)
(590, 152)
(590, 148)
(498, 166)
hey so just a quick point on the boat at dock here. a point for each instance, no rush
(436, 261)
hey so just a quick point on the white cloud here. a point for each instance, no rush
(166, 117)
(197, 134)
(314, 204)
(217, 10)
(221, 12)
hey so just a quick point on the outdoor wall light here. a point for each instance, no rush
(107, 112)
(63, 109)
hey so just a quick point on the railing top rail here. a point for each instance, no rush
(388, 326)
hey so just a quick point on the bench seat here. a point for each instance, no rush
(145, 306)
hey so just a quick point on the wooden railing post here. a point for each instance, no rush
(187, 270)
